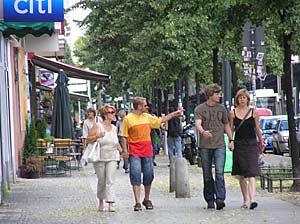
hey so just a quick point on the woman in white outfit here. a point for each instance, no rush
(105, 169)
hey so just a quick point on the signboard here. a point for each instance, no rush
(1, 9)
(33, 10)
(47, 78)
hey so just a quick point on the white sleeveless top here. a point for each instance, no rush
(108, 145)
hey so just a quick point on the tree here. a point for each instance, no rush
(284, 18)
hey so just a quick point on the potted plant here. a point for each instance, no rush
(49, 139)
(47, 100)
(41, 126)
(29, 162)
(32, 167)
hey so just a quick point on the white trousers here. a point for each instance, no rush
(105, 172)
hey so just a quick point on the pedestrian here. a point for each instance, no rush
(110, 150)
(121, 116)
(136, 135)
(211, 119)
(88, 124)
(155, 140)
(244, 121)
(174, 130)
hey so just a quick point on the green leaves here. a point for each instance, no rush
(138, 41)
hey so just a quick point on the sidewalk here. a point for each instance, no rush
(73, 200)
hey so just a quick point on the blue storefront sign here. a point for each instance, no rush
(33, 10)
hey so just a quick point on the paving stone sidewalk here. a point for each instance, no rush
(73, 200)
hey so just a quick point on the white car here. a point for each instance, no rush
(281, 137)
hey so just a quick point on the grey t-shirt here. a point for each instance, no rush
(212, 118)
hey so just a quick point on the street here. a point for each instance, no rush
(73, 200)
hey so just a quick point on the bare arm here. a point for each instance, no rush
(125, 147)
(94, 134)
(231, 117)
(203, 132)
(257, 127)
(228, 131)
(171, 115)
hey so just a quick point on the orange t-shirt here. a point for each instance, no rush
(137, 128)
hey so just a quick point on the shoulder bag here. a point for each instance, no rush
(244, 118)
(92, 151)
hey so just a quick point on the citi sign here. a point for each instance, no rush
(33, 10)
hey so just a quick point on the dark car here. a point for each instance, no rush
(267, 125)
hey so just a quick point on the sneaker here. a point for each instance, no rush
(126, 171)
(210, 204)
(220, 204)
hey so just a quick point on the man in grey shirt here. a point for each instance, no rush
(211, 121)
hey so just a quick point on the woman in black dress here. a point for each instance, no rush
(246, 152)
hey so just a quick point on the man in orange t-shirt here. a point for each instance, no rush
(138, 147)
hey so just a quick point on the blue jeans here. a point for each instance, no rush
(213, 188)
(174, 142)
(155, 149)
(139, 165)
(125, 164)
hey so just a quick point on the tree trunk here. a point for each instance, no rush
(197, 80)
(233, 77)
(216, 77)
(290, 112)
(159, 102)
(186, 99)
(166, 103)
(177, 92)
(154, 97)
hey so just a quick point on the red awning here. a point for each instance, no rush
(70, 70)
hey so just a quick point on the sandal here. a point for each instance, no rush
(137, 207)
(148, 204)
(101, 209)
(253, 205)
(244, 206)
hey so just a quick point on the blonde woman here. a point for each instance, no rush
(109, 155)
(245, 122)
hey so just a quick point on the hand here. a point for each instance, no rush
(261, 147)
(231, 146)
(100, 135)
(125, 155)
(177, 113)
(207, 134)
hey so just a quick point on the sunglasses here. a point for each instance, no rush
(111, 112)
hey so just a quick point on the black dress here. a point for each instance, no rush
(245, 153)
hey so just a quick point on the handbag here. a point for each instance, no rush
(92, 151)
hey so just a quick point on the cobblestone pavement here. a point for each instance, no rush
(73, 200)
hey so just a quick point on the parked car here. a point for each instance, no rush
(267, 125)
(281, 135)
(297, 134)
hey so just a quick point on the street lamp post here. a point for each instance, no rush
(253, 63)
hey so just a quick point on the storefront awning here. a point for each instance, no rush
(73, 96)
(70, 70)
(21, 29)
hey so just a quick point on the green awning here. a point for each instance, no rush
(22, 29)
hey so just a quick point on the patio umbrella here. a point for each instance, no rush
(61, 118)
